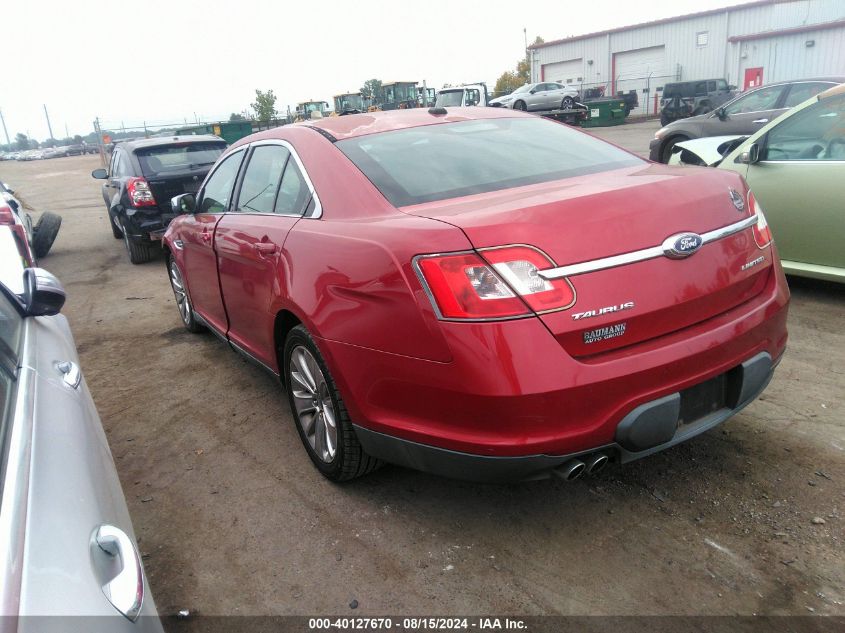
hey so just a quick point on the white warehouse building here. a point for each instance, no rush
(747, 45)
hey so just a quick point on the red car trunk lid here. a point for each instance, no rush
(583, 219)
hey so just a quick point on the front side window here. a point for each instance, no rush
(757, 101)
(473, 97)
(261, 179)
(438, 162)
(815, 133)
(11, 330)
(115, 165)
(218, 190)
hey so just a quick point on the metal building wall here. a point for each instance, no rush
(786, 55)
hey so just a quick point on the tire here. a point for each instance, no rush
(139, 252)
(314, 402)
(183, 301)
(669, 145)
(44, 233)
(115, 230)
(567, 104)
(520, 105)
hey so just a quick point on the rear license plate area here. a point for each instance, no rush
(702, 399)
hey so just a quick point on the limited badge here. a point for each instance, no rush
(604, 333)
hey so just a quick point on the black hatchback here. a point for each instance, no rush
(143, 176)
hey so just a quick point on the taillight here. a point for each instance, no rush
(140, 193)
(497, 283)
(7, 216)
(762, 232)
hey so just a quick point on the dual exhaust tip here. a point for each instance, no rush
(574, 468)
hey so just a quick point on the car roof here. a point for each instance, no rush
(169, 140)
(350, 126)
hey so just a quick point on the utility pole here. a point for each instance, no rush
(49, 127)
(100, 141)
(5, 131)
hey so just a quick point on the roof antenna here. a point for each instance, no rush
(437, 111)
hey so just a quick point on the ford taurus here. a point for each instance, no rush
(485, 295)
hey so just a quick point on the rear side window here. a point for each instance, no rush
(437, 162)
(261, 180)
(172, 159)
(218, 190)
(799, 93)
(293, 193)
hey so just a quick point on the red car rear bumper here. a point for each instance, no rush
(513, 404)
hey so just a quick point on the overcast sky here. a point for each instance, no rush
(165, 62)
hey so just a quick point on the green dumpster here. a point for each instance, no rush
(605, 112)
(230, 131)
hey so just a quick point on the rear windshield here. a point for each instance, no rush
(166, 159)
(437, 162)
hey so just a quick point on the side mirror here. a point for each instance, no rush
(751, 155)
(100, 174)
(532, 91)
(184, 203)
(720, 112)
(44, 294)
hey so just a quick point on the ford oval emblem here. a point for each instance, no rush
(682, 245)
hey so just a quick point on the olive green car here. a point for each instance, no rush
(795, 166)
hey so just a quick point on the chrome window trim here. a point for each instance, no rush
(318, 207)
(802, 161)
(642, 255)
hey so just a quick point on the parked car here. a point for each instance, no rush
(143, 176)
(795, 166)
(745, 115)
(40, 237)
(58, 471)
(692, 98)
(538, 97)
(484, 294)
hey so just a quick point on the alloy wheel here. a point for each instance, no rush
(312, 399)
(182, 300)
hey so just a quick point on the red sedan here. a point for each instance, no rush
(481, 293)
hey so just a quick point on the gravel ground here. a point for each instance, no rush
(232, 518)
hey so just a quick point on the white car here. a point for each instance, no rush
(539, 97)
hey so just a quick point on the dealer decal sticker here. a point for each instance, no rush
(604, 333)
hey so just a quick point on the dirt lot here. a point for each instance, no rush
(232, 518)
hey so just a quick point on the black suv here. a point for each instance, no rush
(143, 176)
(691, 98)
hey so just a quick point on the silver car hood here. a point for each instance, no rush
(708, 149)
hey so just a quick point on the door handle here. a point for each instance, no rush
(265, 248)
(206, 236)
(125, 591)
(760, 121)
(71, 374)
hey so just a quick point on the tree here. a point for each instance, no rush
(22, 141)
(373, 91)
(510, 80)
(236, 117)
(77, 138)
(50, 142)
(264, 105)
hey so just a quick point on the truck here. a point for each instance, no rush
(462, 96)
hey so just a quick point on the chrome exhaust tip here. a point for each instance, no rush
(596, 463)
(571, 470)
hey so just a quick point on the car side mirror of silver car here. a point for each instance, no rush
(44, 294)
(183, 203)
(722, 114)
(751, 155)
(100, 174)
